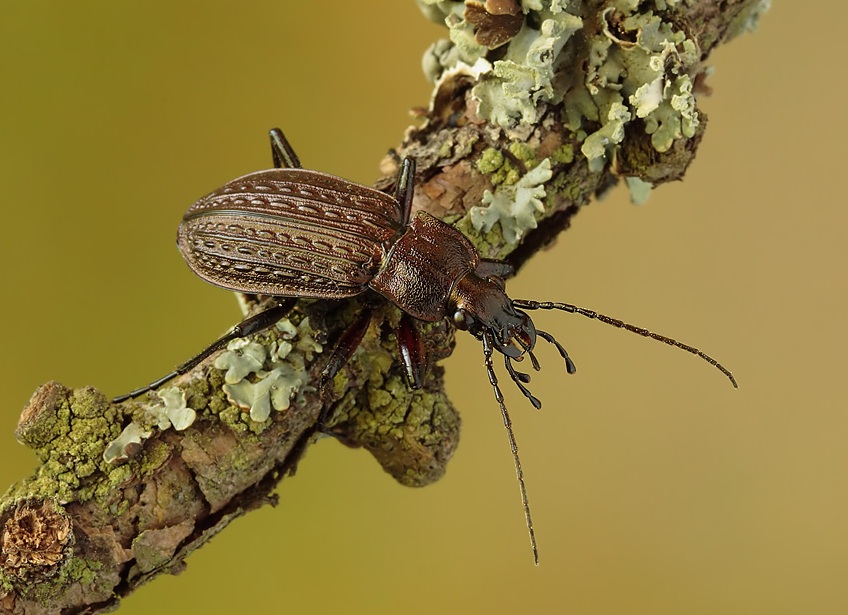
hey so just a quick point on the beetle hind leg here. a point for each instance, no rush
(282, 151)
(255, 324)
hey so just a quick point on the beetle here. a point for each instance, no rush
(290, 233)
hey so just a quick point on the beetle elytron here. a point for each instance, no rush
(292, 233)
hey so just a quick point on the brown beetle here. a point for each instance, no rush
(292, 233)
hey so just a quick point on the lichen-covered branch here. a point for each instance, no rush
(537, 106)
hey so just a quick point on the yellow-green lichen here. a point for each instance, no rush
(523, 152)
(68, 431)
(490, 161)
(446, 149)
(563, 154)
(82, 571)
(498, 167)
(410, 433)
(75, 569)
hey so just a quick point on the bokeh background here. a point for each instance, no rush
(656, 487)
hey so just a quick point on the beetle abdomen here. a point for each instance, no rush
(290, 232)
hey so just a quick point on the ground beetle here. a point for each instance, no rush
(293, 233)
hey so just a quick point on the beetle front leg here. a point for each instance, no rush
(254, 324)
(282, 151)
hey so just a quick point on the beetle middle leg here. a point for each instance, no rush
(255, 324)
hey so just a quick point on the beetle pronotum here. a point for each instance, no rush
(292, 233)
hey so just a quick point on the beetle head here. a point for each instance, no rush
(482, 306)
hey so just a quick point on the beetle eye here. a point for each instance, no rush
(460, 319)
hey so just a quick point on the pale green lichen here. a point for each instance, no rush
(748, 20)
(642, 70)
(508, 89)
(280, 373)
(132, 435)
(243, 357)
(515, 206)
(639, 190)
(175, 412)
(612, 133)
(640, 67)
(508, 93)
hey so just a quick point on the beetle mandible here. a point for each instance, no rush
(293, 233)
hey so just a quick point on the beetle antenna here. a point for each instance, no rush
(493, 380)
(573, 309)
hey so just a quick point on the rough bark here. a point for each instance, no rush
(122, 496)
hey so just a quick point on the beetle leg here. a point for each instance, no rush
(254, 324)
(281, 150)
(346, 346)
(405, 187)
(343, 351)
(493, 380)
(411, 351)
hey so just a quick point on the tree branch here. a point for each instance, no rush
(532, 114)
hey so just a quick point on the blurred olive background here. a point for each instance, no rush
(656, 488)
